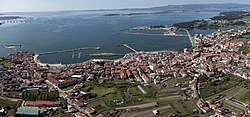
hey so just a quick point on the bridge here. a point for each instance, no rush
(189, 36)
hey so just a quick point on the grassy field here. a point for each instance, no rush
(245, 48)
(183, 107)
(99, 109)
(112, 99)
(102, 90)
(227, 82)
(99, 90)
(135, 91)
(150, 90)
(5, 103)
(117, 91)
(4, 63)
(246, 36)
(245, 97)
(165, 112)
(242, 39)
(59, 113)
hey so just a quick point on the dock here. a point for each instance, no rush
(189, 36)
(70, 50)
(127, 46)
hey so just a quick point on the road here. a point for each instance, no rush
(69, 102)
(177, 97)
(147, 113)
(138, 106)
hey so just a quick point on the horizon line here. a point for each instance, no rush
(110, 9)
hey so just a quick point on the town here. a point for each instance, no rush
(211, 79)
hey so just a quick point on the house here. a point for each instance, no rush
(89, 110)
(78, 102)
(155, 112)
(72, 109)
(145, 78)
(80, 114)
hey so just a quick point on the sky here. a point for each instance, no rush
(62, 5)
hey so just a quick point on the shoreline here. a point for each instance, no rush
(37, 61)
(36, 58)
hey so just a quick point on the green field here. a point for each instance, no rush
(213, 88)
(99, 90)
(102, 90)
(116, 91)
(165, 112)
(241, 39)
(7, 103)
(246, 36)
(245, 97)
(135, 91)
(4, 63)
(245, 48)
(113, 98)
(59, 113)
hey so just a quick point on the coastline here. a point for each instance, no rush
(45, 64)
(36, 58)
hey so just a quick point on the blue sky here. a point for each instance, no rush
(59, 5)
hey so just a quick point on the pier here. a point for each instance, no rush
(15, 21)
(127, 46)
(189, 36)
(70, 50)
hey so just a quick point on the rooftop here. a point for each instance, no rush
(29, 111)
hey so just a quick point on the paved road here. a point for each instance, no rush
(138, 106)
(147, 113)
(177, 97)
(69, 102)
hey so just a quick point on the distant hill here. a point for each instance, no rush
(205, 7)
(182, 8)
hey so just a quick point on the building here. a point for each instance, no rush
(43, 103)
(155, 112)
(89, 110)
(29, 112)
(81, 114)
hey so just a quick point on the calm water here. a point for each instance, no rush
(67, 30)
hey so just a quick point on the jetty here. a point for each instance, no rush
(104, 54)
(70, 50)
(189, 36)
(127, 46)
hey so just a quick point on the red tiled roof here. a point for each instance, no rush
(43, 103)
